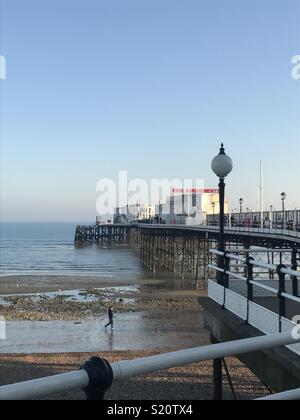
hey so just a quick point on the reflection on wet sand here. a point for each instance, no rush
(137, 330)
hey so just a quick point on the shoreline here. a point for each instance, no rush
(87, 304)
(31, 284)
(148, 314)
(171, 319)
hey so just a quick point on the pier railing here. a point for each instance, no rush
(281, 233)
(262, 230)
(289, 219)
(97, 375)
(245, 307)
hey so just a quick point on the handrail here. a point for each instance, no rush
(150, 364)
(256, 283)
(267, 231)
(265, 287)
(39, 388)
(254, 262)
(274, 231)
(237, 276)
(97, 375)
(282, 396)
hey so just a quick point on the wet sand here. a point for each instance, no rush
(152, 316)
(132, 331)
(42, 284)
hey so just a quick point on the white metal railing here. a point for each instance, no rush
(253, 281)
(243, 229)
(283, 396)
(256, 315)
(261, 318)
(268, 231)
(97, 376)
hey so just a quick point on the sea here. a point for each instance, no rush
(48, 249)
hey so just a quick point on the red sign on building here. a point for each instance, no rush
(195, 191)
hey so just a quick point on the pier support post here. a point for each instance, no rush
(183, 258)
(198, 262)
(174, 257)
(153, 246)
(217, 374)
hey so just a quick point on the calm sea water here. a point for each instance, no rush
(47, 249)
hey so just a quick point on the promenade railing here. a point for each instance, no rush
(261, 230)
(97, 375)
(223, 291)
(243, 229)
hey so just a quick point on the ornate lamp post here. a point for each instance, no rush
(222, 166)
(283, 198)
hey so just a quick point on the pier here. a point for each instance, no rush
(184, 250)
(106, 236)
(253, 287)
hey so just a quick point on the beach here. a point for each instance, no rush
(57, 323)
(46, 298)
(51, 283)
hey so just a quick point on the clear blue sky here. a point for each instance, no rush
(151, 86)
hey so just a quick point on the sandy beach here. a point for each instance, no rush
(192, 382)
(55, 323)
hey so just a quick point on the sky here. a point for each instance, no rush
(149, 86)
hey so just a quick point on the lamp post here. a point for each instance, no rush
(241, 201)
(213, 204)
(283, 198)
(222, 166)
(160, 209)
(271, 217)
(241, 210)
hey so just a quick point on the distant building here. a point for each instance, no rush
(130, 213)
(183, 206)
(104, 220)
(189, 207)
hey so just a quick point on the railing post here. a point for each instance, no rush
(226, 270)
(282, 289)
(249, 285)
(294, 278)
(101, 377)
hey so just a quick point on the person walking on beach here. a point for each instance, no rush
(110, 317)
